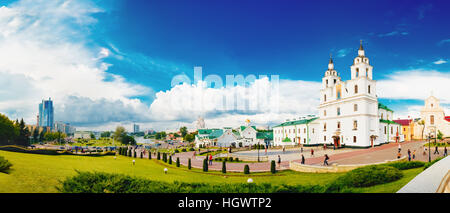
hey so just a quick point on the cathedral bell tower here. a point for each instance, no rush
(361, 66)
(331, 76)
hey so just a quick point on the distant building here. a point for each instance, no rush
(46, 113)
(82, 134)
(135, 128)
(407, 128)
(64, 128)
(434, 117)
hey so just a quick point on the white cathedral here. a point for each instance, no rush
(349, 113)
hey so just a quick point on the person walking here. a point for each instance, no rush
(193, 155)
(312, 152)
(409, 155)
(399, 147)
(279, 161)
(134, 162)
(303, 159)
(399, 155)
(436, 150)
(301, 149)
(424, 150)
(210, 159)
(445, 151)
(414, 154)
(325, 162)
(284, 149)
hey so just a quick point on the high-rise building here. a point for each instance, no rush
(135, 128)
(64, 128)
(46, 113)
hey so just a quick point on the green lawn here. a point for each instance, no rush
(43, 173)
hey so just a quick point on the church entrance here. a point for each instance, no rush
(337, 141)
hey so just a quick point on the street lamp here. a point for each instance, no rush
(429, 152)
(258, 150)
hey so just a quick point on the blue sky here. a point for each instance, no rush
(149, 42)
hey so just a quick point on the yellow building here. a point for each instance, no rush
(407, 128)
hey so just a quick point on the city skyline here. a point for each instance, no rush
(75, 53)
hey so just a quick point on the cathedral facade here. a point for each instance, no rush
(349, 112)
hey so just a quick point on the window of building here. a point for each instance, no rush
(304, 140)
(339, 94)
(324, 113)
(338, 125)
(313, 130)
(355, 125)
(354, 139)
(325, 127)
(355, 107)
(326, 82)
(338, 111)
(356, 89)
(384, 130)
(392, 130)
(367, 71)
(324, 138)
(431, 105)
(369, 89)
(304, 130)
(334, 81)
(357, 72)
(324, 97)
(432, 119)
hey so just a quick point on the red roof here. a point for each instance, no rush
(447, 118)
(404, 122)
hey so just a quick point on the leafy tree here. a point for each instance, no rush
(440, 136)
(92, 136)
(119, 133)
(42, 135)
(24, 134)
(128, 140)
(183, 131)
(422, 123)
(8, 132)
(35, 135)
(189, 137)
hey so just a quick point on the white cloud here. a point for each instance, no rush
(44, 52)
(442, 42)
(343, 52)
(440, 61)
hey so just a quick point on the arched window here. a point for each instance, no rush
(338, 125)
(354, 139)
(382, 118)
(339, 95)
(355, 125)
(324, 138)
(432, 119)
(369, 89)
(325, 127)
(357, 72)
(355, 107)
(356, 89)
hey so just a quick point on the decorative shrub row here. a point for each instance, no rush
(428, 164)
(403, 165)
(14, 148)
(231, 159)
(4, 165)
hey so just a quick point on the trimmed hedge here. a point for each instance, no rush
(403, 165)
(14, 148)
(273, 169)
(96, 182)
(246, 169)
(428, 164)
(4, 165)
(224, 167)
(189, 164)
(365, 177)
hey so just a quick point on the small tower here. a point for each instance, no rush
(361, 66)
(331, 75)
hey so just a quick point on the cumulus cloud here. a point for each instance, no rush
(440, 61)
(45, 52)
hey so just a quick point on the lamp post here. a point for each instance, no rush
(429, 152)
(258, 150)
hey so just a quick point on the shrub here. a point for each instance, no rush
(191, 149)
(273, 169)
(365, 177)
(205, 165)
(149, 155)
(177, 151)
(134, 154)
(403, 165)
(4, 165)
(158, 156)
(178, 162)
(183, 150)
(170, 159)
(236, 159)
(189, 164)
(428, 164)
(224, 167)
(129, 153)
(230, 159)
(246, 169)
(164, 157)
(141, 155)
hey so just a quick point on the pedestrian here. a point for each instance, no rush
(312, 152)
(399, 155)
(134, 162)
(301, 149)
(445, 151)
(414, 154)
(279, 161)
(193, 156)
(436, 150)
(399, 147)
(283, 149)
(409, 155)
(324, 146)
(210, 159)
(303, 159)
(325, 162)
(424, 150)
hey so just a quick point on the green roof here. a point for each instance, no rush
(210, 133)
(297, 122)
(388, 122)
(244, 127)
(382, 106)
(264, 135)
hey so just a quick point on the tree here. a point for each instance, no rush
(128, 140)
(92, 136)
(189, 164)
(440, 136)
(422, 123)
(119, 133)
(183, 131)
(24, 134)
(158, 157)
(170, 159)
(105, 134)
(178, 162)
(246, 169)
(272, 167)
(42, 135)
(35, 135)
(189, 137)
(8, 132)
(224, 167)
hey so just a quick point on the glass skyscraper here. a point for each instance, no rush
(46, 113)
